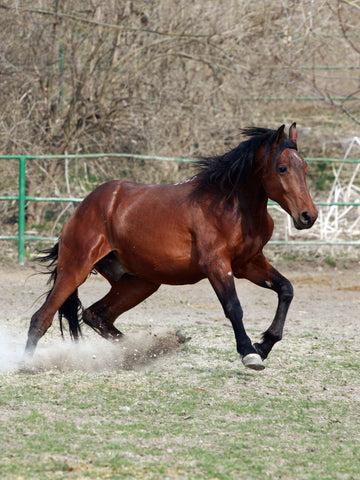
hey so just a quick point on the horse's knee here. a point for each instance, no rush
(286, 291)
(233, 311)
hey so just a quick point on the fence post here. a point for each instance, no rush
(22, 193)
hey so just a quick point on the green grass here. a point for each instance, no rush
(201, 416)
(330, 261)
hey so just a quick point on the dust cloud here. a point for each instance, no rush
(11, 349)
(135, 351)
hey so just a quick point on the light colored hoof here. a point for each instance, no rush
(253, 361)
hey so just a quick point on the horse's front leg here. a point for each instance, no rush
(260, 272)
(222, 281)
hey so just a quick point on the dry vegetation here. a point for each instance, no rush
(168, 78)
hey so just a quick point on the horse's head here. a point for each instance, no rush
(284, 179)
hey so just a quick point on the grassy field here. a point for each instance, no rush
(195, 413)
(297, 420)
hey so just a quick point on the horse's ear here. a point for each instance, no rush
(293, 133)
(280, 135)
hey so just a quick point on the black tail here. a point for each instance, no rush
(71, 308)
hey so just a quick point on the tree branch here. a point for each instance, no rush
(78, 18)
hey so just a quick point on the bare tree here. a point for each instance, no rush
(166, 78)
(349, 18)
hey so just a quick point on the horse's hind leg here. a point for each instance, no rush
(42, 319)
(68, 276)
(124, 294)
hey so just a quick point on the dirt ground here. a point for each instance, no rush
(200, 391)
(326, 300)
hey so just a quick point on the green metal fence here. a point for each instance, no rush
(22, 198)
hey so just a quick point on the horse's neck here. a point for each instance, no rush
(249, 207)
(253, 199)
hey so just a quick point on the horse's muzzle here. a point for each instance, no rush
(305, 220)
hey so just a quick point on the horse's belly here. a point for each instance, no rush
(169, 267)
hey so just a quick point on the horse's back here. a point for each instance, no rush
(150, 203)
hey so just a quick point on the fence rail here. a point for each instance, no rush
(22, 198)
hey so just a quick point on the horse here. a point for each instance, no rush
(212, 226)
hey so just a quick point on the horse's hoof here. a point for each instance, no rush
(253, 361)
(181, 338)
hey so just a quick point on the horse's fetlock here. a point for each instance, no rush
(271, 338)
(245, 347)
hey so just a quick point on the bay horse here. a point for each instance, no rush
(213, 225)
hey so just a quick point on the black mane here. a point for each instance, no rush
(228, 172)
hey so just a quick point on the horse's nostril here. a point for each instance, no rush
(305, 218)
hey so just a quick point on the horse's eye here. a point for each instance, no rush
(283, 169)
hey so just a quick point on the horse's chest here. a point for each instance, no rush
(252, 240)
(248, 247)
